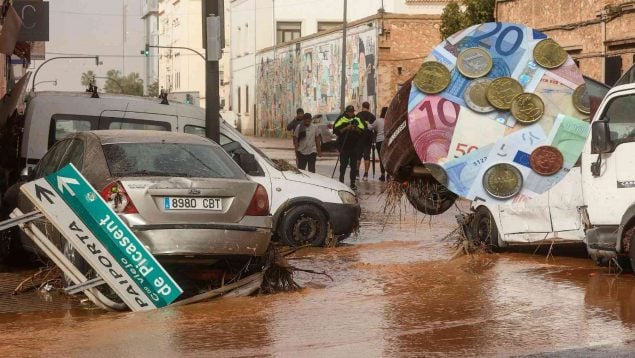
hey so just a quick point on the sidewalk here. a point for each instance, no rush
(271, 142)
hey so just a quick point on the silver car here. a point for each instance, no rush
(325, 124)
(181, 194)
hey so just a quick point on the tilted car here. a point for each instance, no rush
(187, 201)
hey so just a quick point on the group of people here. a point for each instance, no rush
(357, 136)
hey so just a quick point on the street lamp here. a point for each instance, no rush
(58, 58)
(54, 82)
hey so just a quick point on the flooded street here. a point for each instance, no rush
(394, 293)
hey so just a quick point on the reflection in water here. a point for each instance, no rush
(394, 293)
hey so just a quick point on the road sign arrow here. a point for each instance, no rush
(63, 183)
(43, 192)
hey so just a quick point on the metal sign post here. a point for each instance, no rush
(79, 213)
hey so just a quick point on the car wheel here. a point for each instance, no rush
(304, 225)
(76, 259)
(630, 236)
(484, 229)
(428, 196)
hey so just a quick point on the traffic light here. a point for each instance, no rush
(146, 52)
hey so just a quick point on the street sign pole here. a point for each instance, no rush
(79, 213)
(210, 10)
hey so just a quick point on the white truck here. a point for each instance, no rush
(594, 204)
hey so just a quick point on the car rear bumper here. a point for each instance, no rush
(205, 239)
(344, 217)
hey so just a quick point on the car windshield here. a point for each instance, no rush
(170, 160)
(332, 117)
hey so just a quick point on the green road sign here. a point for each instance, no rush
(130, 254)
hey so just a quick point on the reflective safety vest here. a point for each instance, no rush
(345, 121)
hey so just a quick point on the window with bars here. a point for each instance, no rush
(288, 31)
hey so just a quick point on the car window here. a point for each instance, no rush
(73, 154)
(51, 160)
(64, 127)
(139, 125)
(332, 117)
(234, 149)
(170, 160)
(619, 114)
(190, 129)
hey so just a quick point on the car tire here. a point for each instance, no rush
(484, 229)
(75, 258)
(631, 248)
(428, 196)
(303, 225)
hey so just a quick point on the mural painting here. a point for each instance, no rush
(307, 74)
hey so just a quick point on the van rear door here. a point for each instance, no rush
(137, 120)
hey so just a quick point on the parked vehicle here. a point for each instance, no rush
(604, 200)
(186, 200)
(306, 207)
(325, 122)
(553, 217)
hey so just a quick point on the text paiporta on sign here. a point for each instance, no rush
(72, 205)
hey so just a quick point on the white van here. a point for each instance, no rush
(307, 207)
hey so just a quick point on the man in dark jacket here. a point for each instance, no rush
(366, 144)
(349, 131)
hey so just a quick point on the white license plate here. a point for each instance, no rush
(187, 203)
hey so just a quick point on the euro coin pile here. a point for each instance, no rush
(498, 109)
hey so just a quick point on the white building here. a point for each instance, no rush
(150, 16)
(180, 71)
(259, 24)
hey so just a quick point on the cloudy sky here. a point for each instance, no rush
(91, 27)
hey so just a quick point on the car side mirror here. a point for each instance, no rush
(27, 174)
(248, 163)
(600, 137)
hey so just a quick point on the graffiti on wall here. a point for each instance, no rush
(307, 75)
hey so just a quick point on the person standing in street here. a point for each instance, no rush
(306, 141)
(378, 128)
(349, 131)
(366, 143)
(291, 126)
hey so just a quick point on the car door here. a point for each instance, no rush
(610, 193)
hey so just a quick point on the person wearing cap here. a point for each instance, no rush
(349, 130)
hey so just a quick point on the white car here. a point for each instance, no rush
(307, 208)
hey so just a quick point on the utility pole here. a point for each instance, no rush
(343, 79)
(213, 42)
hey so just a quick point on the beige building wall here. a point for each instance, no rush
(590, 30)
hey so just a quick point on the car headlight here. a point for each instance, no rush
(347, 197)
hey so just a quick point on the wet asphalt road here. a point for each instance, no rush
(394, 293)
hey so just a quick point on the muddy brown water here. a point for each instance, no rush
(394, 293)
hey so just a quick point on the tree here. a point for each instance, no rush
(153, 89)
(126, 84)
(87, 78)
(454, 19)
(479, 11)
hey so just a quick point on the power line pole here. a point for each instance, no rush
(343, 74)
(213, 42)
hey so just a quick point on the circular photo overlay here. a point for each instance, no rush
(496, 112)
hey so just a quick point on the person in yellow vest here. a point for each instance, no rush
(349, 130)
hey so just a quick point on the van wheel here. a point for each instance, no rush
(484, 230)
(303, 225)
(429, 196)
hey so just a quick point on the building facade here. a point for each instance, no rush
(272, 25)
(181, 72)
(150, 16)
(598, 34)
(382, 52)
